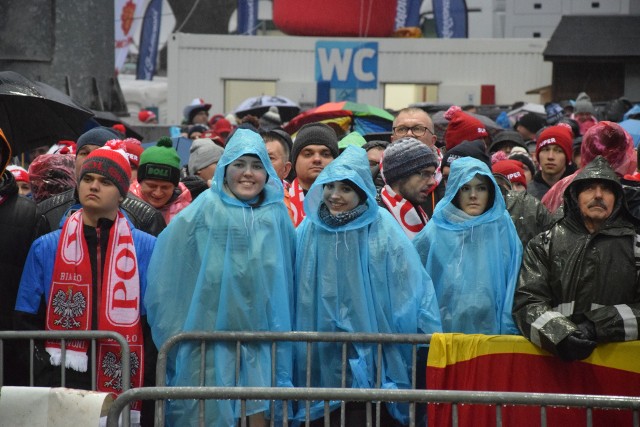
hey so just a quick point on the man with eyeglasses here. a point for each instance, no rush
(415, 123)
(409, 169)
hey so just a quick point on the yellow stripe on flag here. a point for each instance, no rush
(449, 349)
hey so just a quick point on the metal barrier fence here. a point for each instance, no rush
(65, 336)
(498, 399)
(375, 396)
(274, 338)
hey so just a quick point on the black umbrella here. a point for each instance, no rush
(33, 114)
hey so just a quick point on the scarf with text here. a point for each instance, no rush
(70, 305)
(411, 218)
(296, 199)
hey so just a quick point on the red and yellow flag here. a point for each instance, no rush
(512, 364)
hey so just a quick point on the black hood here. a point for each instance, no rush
(598, 169)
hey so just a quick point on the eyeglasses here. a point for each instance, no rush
(416, 130)
(426, 175)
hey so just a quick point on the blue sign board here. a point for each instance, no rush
(347, 65)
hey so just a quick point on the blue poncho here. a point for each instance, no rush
(473, 260)
(364, 276)
(221, 265)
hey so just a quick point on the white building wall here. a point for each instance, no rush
(199, 64)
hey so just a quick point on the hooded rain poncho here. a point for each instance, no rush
(362, 276)
(473, 260)
(222, 265)
(569, 275)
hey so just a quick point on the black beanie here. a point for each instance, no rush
(96, 136)
(532, 122)
(475, 149)
(315, 134)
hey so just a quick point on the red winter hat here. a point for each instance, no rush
(221, 126)
(560, 135)
(146, 116)
(20, 174)
(512, 169)
(111, 162)
(134, 151)
(462, 127)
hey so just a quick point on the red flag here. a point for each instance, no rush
(512, 364)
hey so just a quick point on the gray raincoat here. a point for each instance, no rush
(569, 275)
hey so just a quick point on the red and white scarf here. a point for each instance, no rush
(70, 303)
(296, 198)
(411, 218)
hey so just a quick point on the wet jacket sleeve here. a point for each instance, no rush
(618, 322)
(532, 308)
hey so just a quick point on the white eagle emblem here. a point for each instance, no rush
(68, 306)
(112, 368)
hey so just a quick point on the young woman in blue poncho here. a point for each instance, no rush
(356, 271)
(472, 252)
(225, 263)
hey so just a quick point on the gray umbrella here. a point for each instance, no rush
(34, 114)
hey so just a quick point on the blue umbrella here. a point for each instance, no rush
(632, 126)
(180, 143)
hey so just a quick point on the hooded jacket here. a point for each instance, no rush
(362, 276)
(473, 260)
(222, 265)
(569, 274)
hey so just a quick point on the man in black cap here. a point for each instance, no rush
(57, 208)
(316, 146)
(529, 125)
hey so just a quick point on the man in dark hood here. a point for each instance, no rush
(18, 224)
(570, 297)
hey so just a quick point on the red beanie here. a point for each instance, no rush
(134, 151)
(512, 169)
(145, 116)
(560, 135)
(462, 127)
(111, 162)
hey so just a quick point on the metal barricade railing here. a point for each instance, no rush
(498, 399)
(274, 338)
(65, 336)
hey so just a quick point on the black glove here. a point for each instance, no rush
(575, 347)
(588, 329)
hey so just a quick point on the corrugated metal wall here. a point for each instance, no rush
(198, 65)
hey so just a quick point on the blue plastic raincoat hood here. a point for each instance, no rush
(364, 276)
(221, 265)
(474, 261)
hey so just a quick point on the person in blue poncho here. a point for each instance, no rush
(472, 252)
(356, 271)
(225, 263)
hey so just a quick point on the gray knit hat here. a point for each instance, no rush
(315, 134)
(583, 104)
(406, 156)
(203, 153)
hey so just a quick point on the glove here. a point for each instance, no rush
(575, 347)
(588, 329)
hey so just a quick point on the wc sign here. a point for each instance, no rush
(347, 65)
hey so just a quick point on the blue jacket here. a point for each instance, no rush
(38, 270)
(363, 276)
(221, 265)
(473, 260)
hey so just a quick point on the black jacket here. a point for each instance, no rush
(538, 187)
(569, 275)
(143, 216)
(18, 230)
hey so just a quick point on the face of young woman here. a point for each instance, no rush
(339, 197)
(473, 197)
(246, 177)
